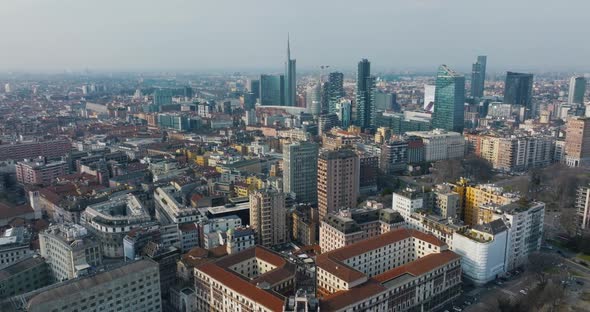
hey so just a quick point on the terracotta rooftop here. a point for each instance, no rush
(419, 266)
(341, 299)
(381, 241)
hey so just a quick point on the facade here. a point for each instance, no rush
(394, 157)
(473, 197)
(272, 90)
(518, 90)
(335, 91)
(30, 150)
(344, 113)
(583, 210)
(478, 76)
(365, 86)
(577, 90)
(69, 251)
(401, 270)
(15, 244)
(577, 142)
(385, 101)
(525, 230)
(338, 180)
(313, 99)
(300, 167)
(251, 280)
(449, 99)
(23, 276)
(133, 287)
(447, 203)
(400, 123)
(110, 221)
(346, 227)
(40, 172)
(268, 217)
(305, 223)
(368, 166)
(406, 202)
(170, 207)
(516, 153)
(290, 79)
(483, 251)
(440, 144)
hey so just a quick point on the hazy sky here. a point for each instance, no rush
(249, 35)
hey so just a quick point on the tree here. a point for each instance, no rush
(477, 169)
(539, 263)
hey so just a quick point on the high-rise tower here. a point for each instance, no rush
(449, 100)
(478, 76)
(518, 90)
(577, 90)
(335, 90)
(290, 78)
(365, 85)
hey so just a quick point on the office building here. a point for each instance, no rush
(478, 76)
(347, 227)
(577, 90)
(15, 244)
(344, 113)
(313, 99)
(483, 251)
(400, 123)
(23, 276)
(268, 217)
(365, 86)
(474, 196)
(429, 91)
(335, 91)
(449, 100)
(111, 220)
(386, 101)
(290, 79)
(39, 171)
(300, 169)
(338, 180)
(401, 270)
(272, 90)
(70, 251)
(162, 97)
(577, 142)
(583, 210)
(251, 280)
(31, 150)
(440, 144)
(394, 157)
(518, 90)
(131, 287)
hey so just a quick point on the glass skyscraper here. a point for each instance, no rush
(518, 90)
(365, 85)
(478, 76)
(335, 90)
(290, 79)
(577, 90)
(272, 91)
(449, 100)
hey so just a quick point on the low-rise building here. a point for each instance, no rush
(23, 276)
(15, 244)
(39, 171)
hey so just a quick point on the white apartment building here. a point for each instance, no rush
(440, 144)
(69, 251)
(407, 202)
(400, 270)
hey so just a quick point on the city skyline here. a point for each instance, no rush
(241, 37)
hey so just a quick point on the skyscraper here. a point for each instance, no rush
(335, 90)
(518, 90)
(313, 99)
(386, 101)
(577, 90)
(300, 169)
(290, 79)
(577, 142)
(268, 217)
(344, 112)
(365, 84)
(478, 76)
(449, 100)
(272, 90)
(338, 180)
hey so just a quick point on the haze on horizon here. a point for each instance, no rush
(57, 35)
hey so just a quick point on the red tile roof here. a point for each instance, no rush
(342, 299)
(419, 266)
